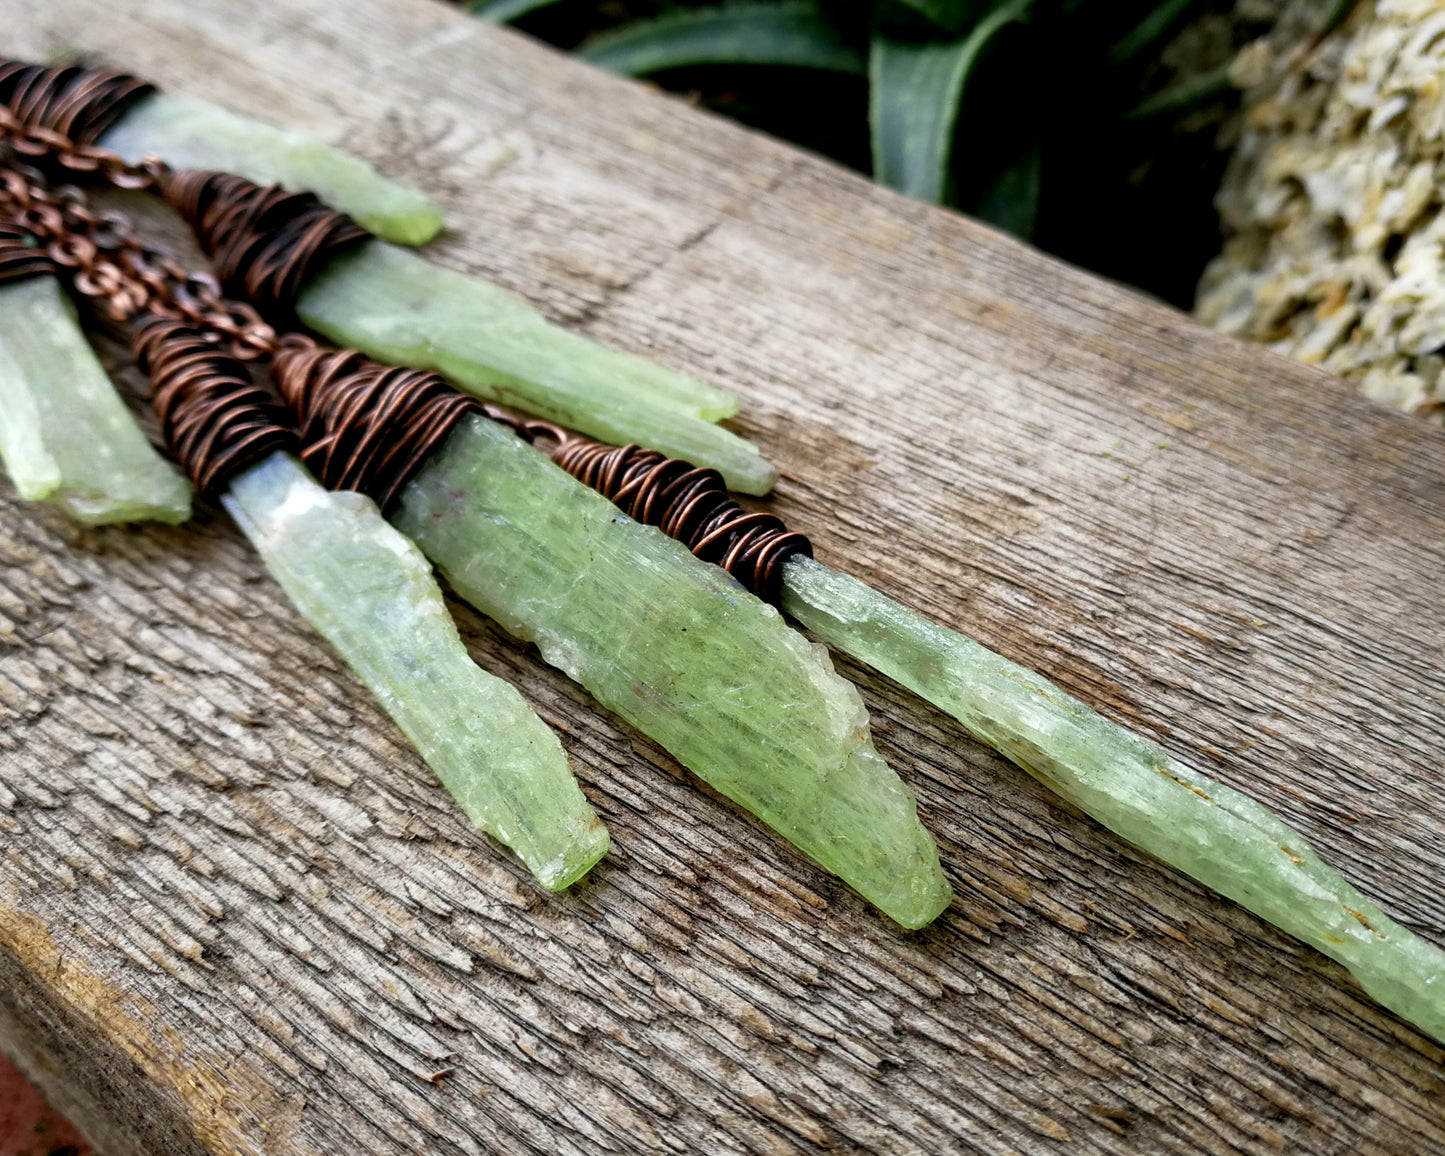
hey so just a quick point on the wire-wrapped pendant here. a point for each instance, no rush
(77, 103)
(216, 419)
(365, 426)
(265, 243)
(20, 254)
(686, 503)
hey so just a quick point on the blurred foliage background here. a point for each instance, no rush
(1097, 129)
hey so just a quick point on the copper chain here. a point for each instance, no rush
(109, 264)
(36, 142)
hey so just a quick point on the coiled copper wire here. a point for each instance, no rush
(364, 426)
(686, 503)
(79, 103)
(265, 242)
(21, 255)
(216, 420)
(371, 427)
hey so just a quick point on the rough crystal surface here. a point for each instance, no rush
(681, 651)
(370, 594)
(188, 133)
(1219, 836)
(399, 308)
(65, 433)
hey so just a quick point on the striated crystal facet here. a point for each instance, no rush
(1220, 837)
(65, 434)
(681, 651)
(191, 134)
(370, 594)
(399, 308)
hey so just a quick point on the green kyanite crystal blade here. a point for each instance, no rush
(191, 134)
(1220, 837)
(370, 594)
(681, 651)
(65, 433)
(399, 308)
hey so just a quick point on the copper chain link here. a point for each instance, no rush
(109, 264)
(365, 426)
(36, 142)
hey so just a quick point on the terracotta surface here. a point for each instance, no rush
(27, 1125)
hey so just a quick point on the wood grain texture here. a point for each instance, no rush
(237, 915)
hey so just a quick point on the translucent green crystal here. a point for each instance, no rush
(191, 134)
(65, 433)
(399, 308)
(1219, 836)
(370, 594)
(681, 651)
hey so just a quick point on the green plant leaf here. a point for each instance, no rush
(784, 34)
(913, 98)
(504, 11)
(1160, 21)
(1336, 16)
(1185, 95)
(954, 17)
(1011, 200)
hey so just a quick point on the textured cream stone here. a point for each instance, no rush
(1333, 203)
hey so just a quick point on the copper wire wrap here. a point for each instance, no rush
(21, 255)
(371, 427)
(364, 426)
(216, 420)
(264, 242)
(684, 502)
(79, 103)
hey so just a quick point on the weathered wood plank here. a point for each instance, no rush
(236, 915)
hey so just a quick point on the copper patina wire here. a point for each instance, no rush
(21, 255)
(686, 503)
(77, 103)
(371, 427)
(217, 421)
(265, 242)
(365, 426)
